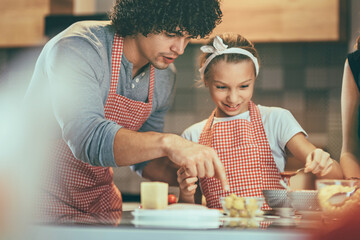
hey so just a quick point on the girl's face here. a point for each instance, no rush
(231, 87)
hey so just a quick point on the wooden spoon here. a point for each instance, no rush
(288, 174)
(291, 173)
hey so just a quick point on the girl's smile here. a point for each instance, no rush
(232, 108)
(231, 86)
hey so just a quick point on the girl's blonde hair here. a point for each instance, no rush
(232, 40)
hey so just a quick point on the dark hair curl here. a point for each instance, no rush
(195, 17)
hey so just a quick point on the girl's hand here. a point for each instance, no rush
(319, 162)
(187, 186)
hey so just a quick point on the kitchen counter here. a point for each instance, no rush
(92, 227)
(79, 233)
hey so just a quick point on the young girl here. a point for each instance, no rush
(250, 140)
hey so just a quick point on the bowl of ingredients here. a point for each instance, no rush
(304, 200)
(245, 207)
(276, 198)
(329, 188)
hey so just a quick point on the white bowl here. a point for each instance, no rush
(248, 210)
(276, 198)
(304, 200)
(327, 188)
(193, 218)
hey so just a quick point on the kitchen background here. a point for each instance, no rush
(302, 75)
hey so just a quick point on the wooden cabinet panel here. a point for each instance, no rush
(76, 7)
(22, 22)
(283, 20)
(61, 6)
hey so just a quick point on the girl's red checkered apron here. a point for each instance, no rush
(79, 188)
(245, 152)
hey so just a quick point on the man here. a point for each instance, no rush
(109, 86)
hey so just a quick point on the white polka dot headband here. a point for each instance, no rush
(220, 48)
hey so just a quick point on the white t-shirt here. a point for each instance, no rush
(279, 124)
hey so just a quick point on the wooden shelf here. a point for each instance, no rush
(284, 20)
(22, 22)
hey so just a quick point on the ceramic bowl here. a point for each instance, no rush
(276, 198)
(327, 188)
(250, 206)
(304, 200)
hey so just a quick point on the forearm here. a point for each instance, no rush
(186, 198)
(350, 154)
(161, 170)
(335, 173)
(316, 160)
(350, 165)
(132, 147)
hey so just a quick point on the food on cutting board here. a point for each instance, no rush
(154, 195)
(242, 206)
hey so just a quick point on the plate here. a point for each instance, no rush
(177, 218)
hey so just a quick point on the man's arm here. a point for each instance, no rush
(198, 160)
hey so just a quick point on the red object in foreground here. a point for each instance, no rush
(171, 199)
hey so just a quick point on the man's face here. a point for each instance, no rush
(163, 48)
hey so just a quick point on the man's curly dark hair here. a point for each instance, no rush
(196, 17)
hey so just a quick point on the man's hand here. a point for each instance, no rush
(195, 159)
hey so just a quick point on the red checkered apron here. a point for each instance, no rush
(80, 188)
(245, 152)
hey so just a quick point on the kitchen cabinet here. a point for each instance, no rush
(61, 6)
(22, 22)
(284, 20)
(79, 7)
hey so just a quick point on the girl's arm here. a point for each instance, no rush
(350, 155)
(316, 160)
